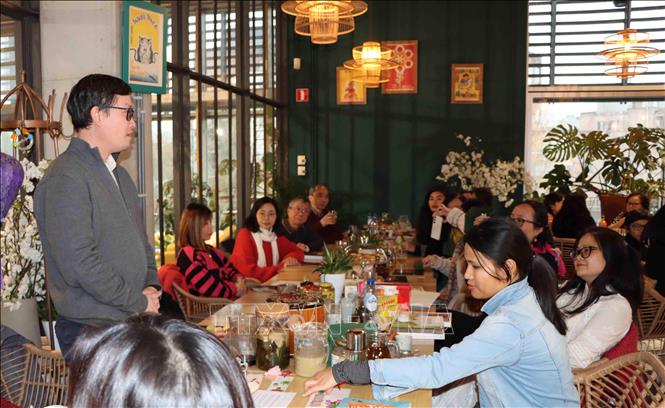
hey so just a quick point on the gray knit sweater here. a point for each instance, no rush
(96, 251)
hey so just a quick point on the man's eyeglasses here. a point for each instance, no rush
(520, 221)
(300, 210)
(130, 111)
(584, 252)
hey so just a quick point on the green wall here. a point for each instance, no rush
(383, 156)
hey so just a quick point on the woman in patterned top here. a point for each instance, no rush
(207, 271)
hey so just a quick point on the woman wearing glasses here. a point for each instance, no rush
(599, 303)
(531, 217)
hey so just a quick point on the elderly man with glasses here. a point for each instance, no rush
(295, 226)
(101, 266)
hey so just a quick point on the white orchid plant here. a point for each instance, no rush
(21, 249)
(502, 177)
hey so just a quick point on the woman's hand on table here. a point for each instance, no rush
(303, 246)
(291, 262)
(431, 261)
(241, 286)
(321, 381)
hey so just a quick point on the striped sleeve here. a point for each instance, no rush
(203, 275)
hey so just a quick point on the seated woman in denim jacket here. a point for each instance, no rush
(519, 351)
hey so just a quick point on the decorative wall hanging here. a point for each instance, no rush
(370, 63)
(466, 84)
(144, 46)
(404, 78)
(349, 91)
(324, 20)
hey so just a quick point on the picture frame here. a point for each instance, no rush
(466, 84)
(349, 92)
(404, 78)
(144, 46)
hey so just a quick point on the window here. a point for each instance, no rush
(565, 36)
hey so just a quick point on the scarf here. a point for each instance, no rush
(547, 248)
(268, 236)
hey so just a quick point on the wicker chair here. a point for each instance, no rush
(565, 247)
(633, 380)
(197, 308)
(651, 319)
(34, 377)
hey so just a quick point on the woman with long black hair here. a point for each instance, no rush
(519, 351)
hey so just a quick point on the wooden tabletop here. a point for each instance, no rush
(421, 398)
(293, 274)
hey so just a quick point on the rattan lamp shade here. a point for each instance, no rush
(627, 53)
(324, 20)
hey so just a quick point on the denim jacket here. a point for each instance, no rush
(519, 357)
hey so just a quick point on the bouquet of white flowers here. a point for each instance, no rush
(21, 249)
(502, 177)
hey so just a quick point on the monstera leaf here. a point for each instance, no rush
(562, 143)
(558, 179)
(594, 146)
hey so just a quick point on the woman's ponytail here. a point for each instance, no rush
(543, 280)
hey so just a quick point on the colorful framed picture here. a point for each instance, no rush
(466, 85)
(404, 78)
(144, 46)
(349, 92)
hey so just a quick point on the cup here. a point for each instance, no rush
(404, 342)
(333, 314)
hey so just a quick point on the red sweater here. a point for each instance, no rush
(245, 255)
(207, 273)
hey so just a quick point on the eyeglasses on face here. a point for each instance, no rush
(300, 210)
(520, 221)
(584, 252)
(130, 111)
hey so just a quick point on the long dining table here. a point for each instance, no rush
(295, 274)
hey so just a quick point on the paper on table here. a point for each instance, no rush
(422, 299)
(273, 399)
(321, 400)
(254, 381)
(313, 259)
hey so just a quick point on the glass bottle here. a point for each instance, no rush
(272, 345)
(378, 347)
(369, 303)
(348, 306)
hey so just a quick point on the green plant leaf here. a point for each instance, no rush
(557, 179)
(562, 143)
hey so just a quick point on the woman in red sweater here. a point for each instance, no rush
(258, 252)
(207, 271)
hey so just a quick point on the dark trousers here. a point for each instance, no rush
(67, 332)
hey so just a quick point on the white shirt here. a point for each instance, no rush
(597, 329)
(111, 164)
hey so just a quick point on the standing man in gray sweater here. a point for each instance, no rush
(100, 266)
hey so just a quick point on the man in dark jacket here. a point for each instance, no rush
(295, 226)
(100, 266)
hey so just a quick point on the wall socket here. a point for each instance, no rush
(302, 171)
(301, 160)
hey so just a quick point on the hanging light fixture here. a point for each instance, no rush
(627, 53)
(370, 64)
(324, 20)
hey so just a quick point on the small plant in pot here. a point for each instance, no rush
(336, 263)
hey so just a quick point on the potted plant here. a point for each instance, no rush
(22, 258)
(336, 262)
(634, 162)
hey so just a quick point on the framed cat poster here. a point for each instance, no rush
(144, 46)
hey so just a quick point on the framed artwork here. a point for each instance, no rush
(349, 92)
(466, 85)
(144, 46)
(404, 78)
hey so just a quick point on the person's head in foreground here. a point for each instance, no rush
(498, 254)
(605, 265)
(150, 360)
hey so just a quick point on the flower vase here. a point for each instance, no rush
(337, 280)
(23, 320)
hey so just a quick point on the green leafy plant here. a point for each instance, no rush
(335, 260)
(633, 162)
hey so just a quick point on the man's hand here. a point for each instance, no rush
(153, 296)
(321, 381)
(302, 246)
(329, 219)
